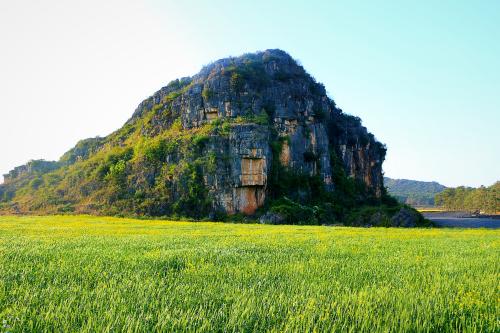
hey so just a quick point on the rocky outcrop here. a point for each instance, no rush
(274, 98)
(33, 167)
(254, 112)
(271, 218)
(405, 218)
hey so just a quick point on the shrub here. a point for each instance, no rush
(113, 158)
(200, 140)
(317, 88)
(225, 128)
(310, 156)
(295, 213)
(207, 93)
(319, 114)
(283, 76)
(193, 198)
(236, 81)
(157, 151)
(117, 171)
(261, 118)
(156, 107)
(249, 71)
(36, 183)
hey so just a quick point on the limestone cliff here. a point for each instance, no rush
(211, 142)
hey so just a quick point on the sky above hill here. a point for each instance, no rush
(424, 76)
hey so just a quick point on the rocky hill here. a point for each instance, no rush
(245, 135)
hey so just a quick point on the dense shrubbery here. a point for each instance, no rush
(303, 199)
(193, 197)
(295, 213)
(207, 93)
(251, 72)
(484, 199)
(82, 150)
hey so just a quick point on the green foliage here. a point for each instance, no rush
(287, 188)
(32, 168)
(225, 128)
(284, 182)
(310, 156)
(483, 199)
(317, 88)
(222, 126)
(261, 118)
(66, 209)
(119, 156)
(177, 88)
(193, 200)
(82, 150)
(36, 183)
(96, 274)
(156, 151)
(117, 171)
(179, 83)
(171, 96)
(371, 215)
(201, 140)
(269, 108)
(207, 93)
(286, 76)
(295, 213)
(303, 199)
(306, 132)
(236, 82)
(157, 107)
(250, 71)
(319, 114)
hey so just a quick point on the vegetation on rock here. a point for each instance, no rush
(246, 135)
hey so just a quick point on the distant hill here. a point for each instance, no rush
(413, 192)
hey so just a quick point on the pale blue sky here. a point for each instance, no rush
(423, 75)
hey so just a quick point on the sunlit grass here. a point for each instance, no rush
(107, 274)
(431, 209)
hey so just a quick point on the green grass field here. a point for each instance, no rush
(109, 274)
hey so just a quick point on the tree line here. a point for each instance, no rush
(483, 199)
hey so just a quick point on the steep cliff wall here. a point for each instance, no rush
(210, 143)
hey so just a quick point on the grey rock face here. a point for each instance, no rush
(271, 218)
(404, 218)
(32, 167)
(239, 181)
(209, 144)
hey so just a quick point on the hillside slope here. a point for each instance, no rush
(242, 136)
(413, 192)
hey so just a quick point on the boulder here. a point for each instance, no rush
(405, 218)
(271, 218)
